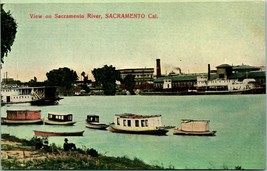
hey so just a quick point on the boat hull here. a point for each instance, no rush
(45, 102)
(193, 133)
(45, 133)
(148, 132)
(5, 121)
(96, 126)
(67, 123)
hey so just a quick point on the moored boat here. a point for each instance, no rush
(223, 86)
(22, 116)
(138, 124)
(50, 133)
(194, 127)
(59, 119)
(92, 122)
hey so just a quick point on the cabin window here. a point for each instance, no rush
(129, 123)
(124, 122)
(136, 123)
(118, 121)
(142, 123)
(146, 123)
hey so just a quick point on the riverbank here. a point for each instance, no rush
(21, 154)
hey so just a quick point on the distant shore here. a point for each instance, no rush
(21, 154)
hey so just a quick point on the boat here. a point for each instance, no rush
(59, 119)
(92, 122)
(49, 96)
(138, 124)
(22, 116)
(50, 133)
(33, 95)
(194, 127)
(222, 86)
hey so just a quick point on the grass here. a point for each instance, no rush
(56, 159)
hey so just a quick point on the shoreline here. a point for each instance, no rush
(21, 154)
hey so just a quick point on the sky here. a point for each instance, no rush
(186, 34)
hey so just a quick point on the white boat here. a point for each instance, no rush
(223, 86)
(59, 119)
(138, 124)
(92, 122)
(194, 127)
(33, 95)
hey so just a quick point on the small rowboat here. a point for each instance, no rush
(48, 133)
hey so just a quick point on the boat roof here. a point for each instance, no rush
(135, 116)
(19, 110)
(60, 114)
(194, 120)
(92, 115)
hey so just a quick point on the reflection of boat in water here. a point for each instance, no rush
(59, 119)
(194, 127)
(19, 116)
(138, 124)
(92, 122)
(223, 86)
(33, 95)
(50, 133)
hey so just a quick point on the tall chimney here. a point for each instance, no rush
(158, 68)
(208, 71)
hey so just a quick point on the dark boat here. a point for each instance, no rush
(44, 96)
(92, 122)
(48, 133)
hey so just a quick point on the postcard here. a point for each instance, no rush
(143, 85)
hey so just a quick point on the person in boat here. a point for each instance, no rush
(69, 146)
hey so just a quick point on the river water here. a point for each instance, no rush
(238, 119)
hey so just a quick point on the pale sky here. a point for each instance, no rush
(189, 35)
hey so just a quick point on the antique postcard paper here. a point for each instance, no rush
(133, 85)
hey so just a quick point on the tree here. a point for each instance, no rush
(129, 83)
(8, 32)
(62, 77)
(107, 76)
(85, 81)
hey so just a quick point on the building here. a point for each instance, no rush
(184, 82)
(143, 77)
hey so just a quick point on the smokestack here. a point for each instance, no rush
(158, 68)
(208, 71)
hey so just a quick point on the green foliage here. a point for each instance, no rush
(107, 76)
(129, 83)
(62, 77)
(8, 32)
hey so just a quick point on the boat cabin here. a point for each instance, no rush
(92, 118)
(21, 114)
(137, 121)
(194, 125)
(59, 117)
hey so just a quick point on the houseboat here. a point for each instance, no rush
(138, 124)
(21, 116)
(33, 95)
(92, 122)
(51, 133)
(194, 127)
(59, 119)
(223, 86)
